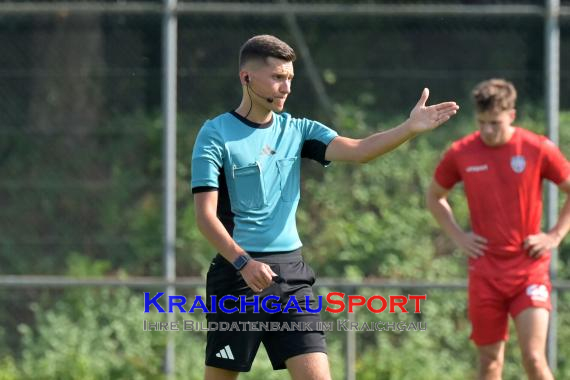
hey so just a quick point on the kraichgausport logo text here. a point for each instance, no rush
(334, 303)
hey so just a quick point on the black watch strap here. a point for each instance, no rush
(241, 261)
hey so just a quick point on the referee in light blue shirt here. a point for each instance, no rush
(246, 184)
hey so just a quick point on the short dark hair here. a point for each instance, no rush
(264, 46)
(494, 95)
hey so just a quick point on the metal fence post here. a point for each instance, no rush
(552, 86)
(169, 79)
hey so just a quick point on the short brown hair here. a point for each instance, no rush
(494, 95)
(264, 46)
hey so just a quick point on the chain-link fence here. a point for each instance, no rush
(80, 104)
(81, 133)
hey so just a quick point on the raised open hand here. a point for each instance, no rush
(424, 118)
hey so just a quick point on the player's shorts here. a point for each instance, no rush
(284, 335)
(491, 300)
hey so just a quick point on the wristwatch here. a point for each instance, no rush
(241, 261)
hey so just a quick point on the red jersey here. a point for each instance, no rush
(503, 186)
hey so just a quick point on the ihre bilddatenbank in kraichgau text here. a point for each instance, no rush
(335, 303)
(341, 325)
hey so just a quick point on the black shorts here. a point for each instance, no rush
(284, 334)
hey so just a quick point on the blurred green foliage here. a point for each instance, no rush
(98, 334)
(81, 190)
(356, 222)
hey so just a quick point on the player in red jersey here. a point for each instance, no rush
(502, 168)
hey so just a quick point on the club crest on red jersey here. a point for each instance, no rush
(518, 164)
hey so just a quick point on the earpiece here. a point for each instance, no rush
(249, 87)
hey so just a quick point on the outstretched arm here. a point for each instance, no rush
(474, 245)
(257, 275)
(422, 118)
(542, 242)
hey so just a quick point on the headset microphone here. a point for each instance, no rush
(268, 100)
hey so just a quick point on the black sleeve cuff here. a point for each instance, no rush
(315, 150)
(203, 189)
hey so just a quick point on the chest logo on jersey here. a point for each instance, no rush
(267, 150)
(518, 164)
(477, 168)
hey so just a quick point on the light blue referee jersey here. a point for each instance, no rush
(256, 170)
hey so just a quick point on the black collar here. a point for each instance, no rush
(249, 122)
